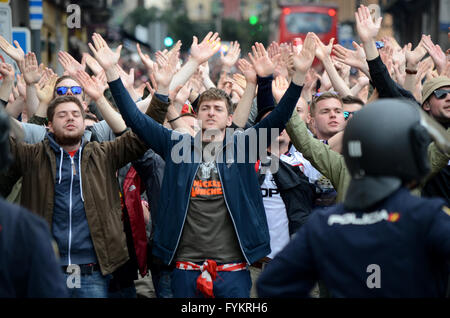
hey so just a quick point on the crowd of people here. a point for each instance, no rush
(279, 179)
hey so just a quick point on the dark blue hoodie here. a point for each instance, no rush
(70, 227)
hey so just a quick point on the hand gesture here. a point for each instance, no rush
(21, 86)
(279, 87)
(7, 71)
(204, 70)
(127, 78)
(163, 72)
(261, 61)
(30, 69)
(16, 53)
(322, 51)
(206, 49)
(145, 58)
(175, 50)
(92, 86)
(182, 94)
(45, 89)
(239, 79)
(367, 29)
(92, 64)
(102, 53)
(70, 65)
(356, 59)
(304, 59)
(413, 57)
(232, 55)
(436, 53)
(247, 69)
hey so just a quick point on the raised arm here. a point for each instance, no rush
(356, 59)
(302, 62)
(94, 88)
(70, 65)
(7, 85)
(200, 53)
(155, 135)
(323, 54)
(44, 90)
(31, 75)
(242, 111)
(328, 162)
(230, 59)
(381, 79)
(264, 69)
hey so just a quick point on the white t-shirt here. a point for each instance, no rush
(276, 215)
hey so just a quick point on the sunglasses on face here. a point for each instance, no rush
(320, 93)
(347, 114)
(441, 93)
(62, 90)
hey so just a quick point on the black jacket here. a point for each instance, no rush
(295, 191)
(28, 264)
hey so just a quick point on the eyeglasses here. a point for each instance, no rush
(441, 93)
(62, 90)
(347, 114)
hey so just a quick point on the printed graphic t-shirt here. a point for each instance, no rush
(208, 231)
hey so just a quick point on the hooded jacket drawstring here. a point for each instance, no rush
(60, 164)
(79, 169)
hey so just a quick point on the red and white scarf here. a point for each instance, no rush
(208, 274)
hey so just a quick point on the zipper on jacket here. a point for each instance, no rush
(226, 202)
(185, 214)
(70, 209)
(229, 211)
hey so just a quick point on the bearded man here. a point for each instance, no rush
(72, 183)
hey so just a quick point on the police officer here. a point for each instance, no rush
(382, 241)
(28, 264)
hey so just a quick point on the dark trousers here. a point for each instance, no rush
(227, 284)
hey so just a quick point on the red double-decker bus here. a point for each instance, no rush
(296, 20)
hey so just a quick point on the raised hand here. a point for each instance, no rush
(30, 69)
(21, 86)
(175, 49)
(413, 57)
(367, 29)
(70, 65)
(232, 56)
(239, 79)
(182, 94)
(355, 58)
(304, 59)
(103, 54)
(261, 62)
(322, 51)
(45, 89)
(248, 70)
(92, 64)
(127, 78)
(209, 46)
(163, 72)
(145, 58)
(7, 71)
(92, 86)
(436, 53)
(16, 53)
(279, 87)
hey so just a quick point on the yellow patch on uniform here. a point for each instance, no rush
(446, 210)
(393, 216)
